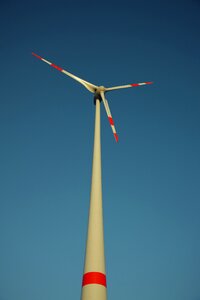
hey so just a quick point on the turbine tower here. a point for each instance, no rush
(94, 277)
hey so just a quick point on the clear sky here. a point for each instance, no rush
(151, 178)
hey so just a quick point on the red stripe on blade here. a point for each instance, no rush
(94, 278)
(116, 137)
(56, 67)
(149, 82)
(36, 55)
(134, 84)
(111, 120)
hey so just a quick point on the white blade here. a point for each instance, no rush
(91, 87)
(127, 86)
(110, 119)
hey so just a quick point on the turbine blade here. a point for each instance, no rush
(127, 86)
(91, 87)
(110, 119)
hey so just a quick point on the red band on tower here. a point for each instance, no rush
(94, 278)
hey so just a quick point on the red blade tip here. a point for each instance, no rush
(36, 55)
(116, 137)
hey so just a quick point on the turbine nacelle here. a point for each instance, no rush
(97, 93)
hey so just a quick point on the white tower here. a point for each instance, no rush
(94, 277)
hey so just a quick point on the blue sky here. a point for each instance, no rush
(151, 187)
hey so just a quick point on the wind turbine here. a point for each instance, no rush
(94, 275)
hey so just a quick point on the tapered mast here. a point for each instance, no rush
(94, 277)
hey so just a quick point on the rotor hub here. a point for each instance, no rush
(100, 89)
